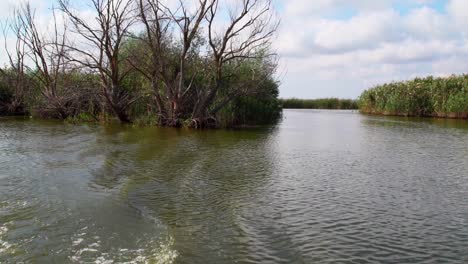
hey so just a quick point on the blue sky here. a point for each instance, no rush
(338, 48)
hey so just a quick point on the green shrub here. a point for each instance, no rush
(260, 108)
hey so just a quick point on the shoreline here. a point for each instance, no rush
(455, 116)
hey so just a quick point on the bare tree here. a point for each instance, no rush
(16, 77)
(198, 57)
(158, 20)
(48, 58)
(247, 36)
(156, 23)
(100, 51)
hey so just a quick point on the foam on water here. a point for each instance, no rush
(4, 245)
(89, 249)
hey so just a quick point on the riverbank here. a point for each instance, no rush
(323, 103)
(426, 97)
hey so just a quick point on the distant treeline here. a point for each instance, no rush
(324, 103)
(139, 61)
(428, 97)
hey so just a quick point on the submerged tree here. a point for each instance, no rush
(47, 54)
(195, 63)
(246, 37)
(184, 61)
(100, 49)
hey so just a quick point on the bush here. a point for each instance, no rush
(5, 96)
(260, 108)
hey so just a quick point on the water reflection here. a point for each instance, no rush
(416, 121)
(187, 182)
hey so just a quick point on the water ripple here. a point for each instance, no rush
(321, 187)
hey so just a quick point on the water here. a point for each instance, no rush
(320, 187)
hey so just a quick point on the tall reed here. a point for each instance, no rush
(430, 97)
(324, 103)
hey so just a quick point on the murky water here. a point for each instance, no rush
(320, 187)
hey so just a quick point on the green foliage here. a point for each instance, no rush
(442, 97)
(81, 118)
(248, 93)
(259, 105)
(458, 103)
(5, 95)
(324, 103)
(9, 102)
(260, 108)
(146, 120)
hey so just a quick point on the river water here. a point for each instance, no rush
(319, 187)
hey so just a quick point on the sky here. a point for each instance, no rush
(341, 47)
(338, 48)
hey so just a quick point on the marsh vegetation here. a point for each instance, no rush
(323, 103)
(203, 64)
(426, 97)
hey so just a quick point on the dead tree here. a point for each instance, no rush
(16, 76)
(48, 57)
(100, 48)
(247, 37)
(189, 54)
(158, 21)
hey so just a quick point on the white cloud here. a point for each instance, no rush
(357, 33)
(7, 8)
(320, 7)
(458, 10)
(328, 53)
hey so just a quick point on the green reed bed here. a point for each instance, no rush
(426, 97)
(324, 103)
